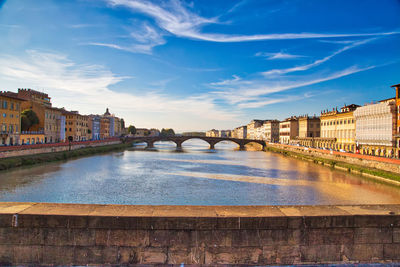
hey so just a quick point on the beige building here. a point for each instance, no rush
(76, 126)
(212, 133)
(10, 118)
(270, 131)
(376, 128)
(52, 125)
(252, 128)
(241, 132)
(338, 129)
(288, 130)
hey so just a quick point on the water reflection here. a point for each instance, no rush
(194, 176)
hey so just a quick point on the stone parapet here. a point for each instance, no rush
(76, 234)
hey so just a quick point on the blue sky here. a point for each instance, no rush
(197, 65)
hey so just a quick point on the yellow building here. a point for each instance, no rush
(76, 126)
(10, 118)
(31, 138)
(338, 129)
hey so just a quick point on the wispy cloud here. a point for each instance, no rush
(278, 55)
(316, 62)
(64, 79)
(262, 102)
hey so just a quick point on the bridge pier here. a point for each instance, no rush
(150, 145)
(179, 145)
(212, 146)
(241, 147)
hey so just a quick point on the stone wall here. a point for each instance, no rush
(382, 163)
(61, 234)
(49, 148)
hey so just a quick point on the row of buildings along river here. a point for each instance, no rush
(53, 125)
(372, 129)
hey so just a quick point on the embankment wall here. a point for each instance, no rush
(17, 151)
(75, 234)
(386, 164)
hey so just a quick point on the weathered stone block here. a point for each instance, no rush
(279, 237)
(187, 256)
(295, 222)
(153, 256)
(99, 222)
(115, 237)
(170, 238)
(362, 252)
(214, 238)
(320, 253)
(376, 221)
(22, 236)
(32, 255)
(95, 255)
(391, 251)
(373, 235)
(228, 223)
(396, 235)
(288, 254)
(328, 221)
(6, 220)
(246, 238)
(328, 236)
(128, 255)
(58, 255)
(6, 255)
(264, 223)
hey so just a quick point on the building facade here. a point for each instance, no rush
(376, 128)
(94, 126)
(288, 130)
(225, 133)
(270, 131)
(212, 133)
(10, 118)
(52, 125)
(104, 127)
(338, 129)
(309, 130)
(252, 128)
(241, 132)
(76, 126)
(397, 97)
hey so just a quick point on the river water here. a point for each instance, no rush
(194, 176)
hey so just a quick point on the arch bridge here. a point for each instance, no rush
(178, 140)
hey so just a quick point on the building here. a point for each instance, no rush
(288, 130)
(52, 125)
(117, 127)
(251, 128)
(376, 128)
(142, 132)
(76, 126)
(309, 130)
(212, 133)
(31, 138)
(10, 118)
(270, 131)
(225, 133)
(49, 117)
(241, 132)
(154, 132)
(94, 126)
(104, 127)
(397, 97)
(338, 129)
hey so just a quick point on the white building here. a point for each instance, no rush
(376, 127)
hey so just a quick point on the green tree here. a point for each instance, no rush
(132, 129)
(167, 132)
(28, 119)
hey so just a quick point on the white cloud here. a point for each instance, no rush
(279, 55)
(87, 88)
(316, 62)
(178, 20)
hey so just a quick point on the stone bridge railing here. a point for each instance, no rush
(178, 140)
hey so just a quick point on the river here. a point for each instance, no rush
(194, 176)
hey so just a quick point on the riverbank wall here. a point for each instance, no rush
(77, 234)
(374, 167)
(62, 154)
(16, 151)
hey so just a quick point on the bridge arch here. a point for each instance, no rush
(198, 138)
(228, 140)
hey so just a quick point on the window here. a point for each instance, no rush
(5, 104)
(12, 106)
(4, 115)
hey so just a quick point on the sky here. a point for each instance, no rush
(198, 65)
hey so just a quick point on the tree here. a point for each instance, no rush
(167, 132)
(28, 119)
(132, 129)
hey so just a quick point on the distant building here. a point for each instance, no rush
(225, 133)
(241, 132)
(154, 132)
(10, 118)
(32, 138)
(288, 130)
(52, 125)
(94, 126)
(142, 132)
(212, 133)
(251, 128)
(76, 125)
(397, 88)
(104, 127)
(376, 128)
(339, 127)
(270, 131)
